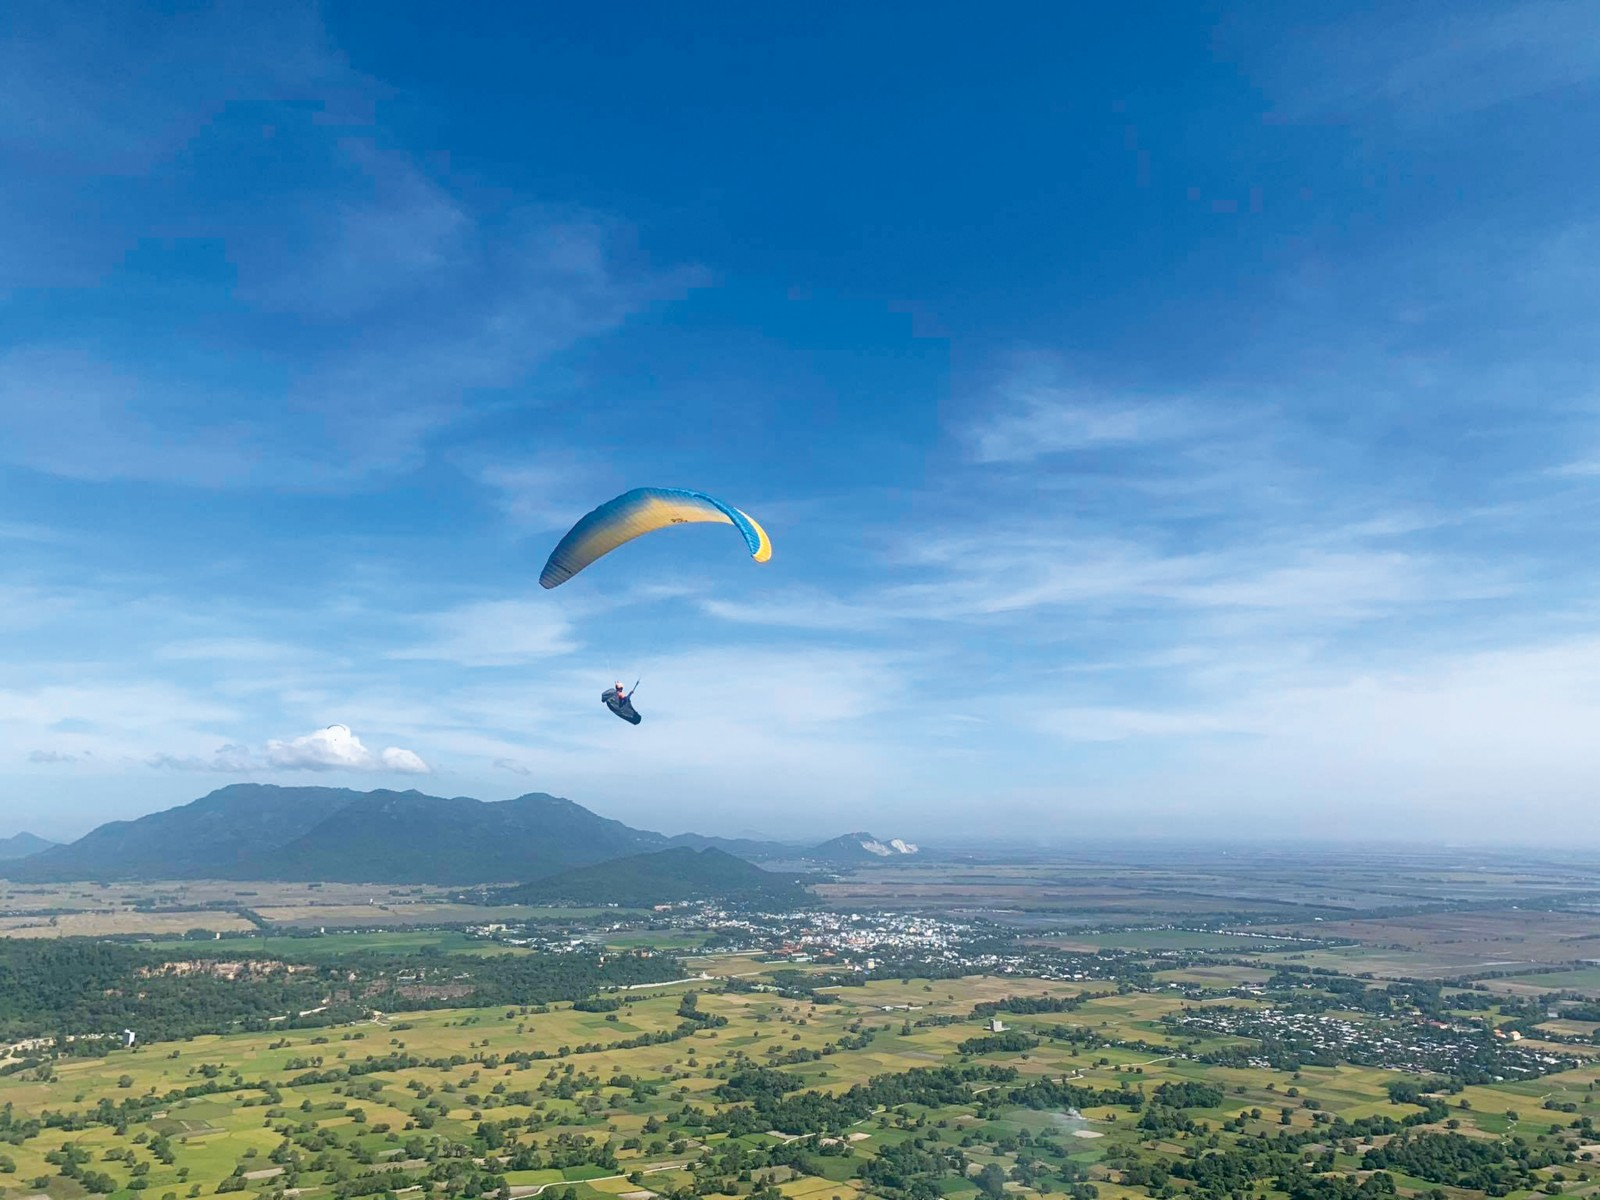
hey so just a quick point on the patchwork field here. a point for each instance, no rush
(1584, 980)
(167, 909)
(377, 1107)
(1087, 1030)
(122, 923)
(1107, 888)
(1439, 944)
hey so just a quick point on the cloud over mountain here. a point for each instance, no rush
(337, 749)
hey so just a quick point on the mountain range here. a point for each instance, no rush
(662, 877)
(22, 845)
(265, 832)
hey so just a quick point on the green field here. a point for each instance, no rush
(1181, 939)
(336, 945)
(1183, 1030)
(288, 1106)
(1585, 980)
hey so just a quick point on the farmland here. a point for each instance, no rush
(1065, 1029)
(696, 1088)
(204, 906)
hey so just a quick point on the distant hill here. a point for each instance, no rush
(661, 877)
(411, 837)
(21, 846)
(749, 848)
(209, 838)
(860, 848)
(260, 831)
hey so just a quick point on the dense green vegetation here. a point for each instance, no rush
(94, 990)
(1011, 1041)
(1033, 1005)
(662, 877)
(1494, 1167)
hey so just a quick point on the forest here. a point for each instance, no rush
(90, 991)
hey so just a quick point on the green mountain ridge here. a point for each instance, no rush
(206, 838)
(265, 832)
(659, 877)
(454, 841)
(261, 831)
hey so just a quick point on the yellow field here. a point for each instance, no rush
(121, 923)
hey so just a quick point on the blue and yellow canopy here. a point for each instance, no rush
(642, 511)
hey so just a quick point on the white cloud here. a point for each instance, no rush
(494, 633)
(537, 496)
(25, 607)
(1583, 468)
(65, 412)
(337, 749)
(16, 531)
(1488, 744)
(1408, 63)
(106, 101)
(412, 291)
(334, 748)
(68, 87)
(393, 231)
(120, 715)
(1097, 724)
(360, 408)
(229, 649)
(1312, 576)
(801, 610)
(1038, 410)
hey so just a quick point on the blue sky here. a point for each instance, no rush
(1170, 419)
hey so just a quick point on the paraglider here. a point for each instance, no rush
(634, 514)
(621, 703)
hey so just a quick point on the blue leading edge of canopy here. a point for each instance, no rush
(641, 511)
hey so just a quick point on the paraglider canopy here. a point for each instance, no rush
(636, 513)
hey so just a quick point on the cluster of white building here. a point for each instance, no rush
(1421, 1046)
